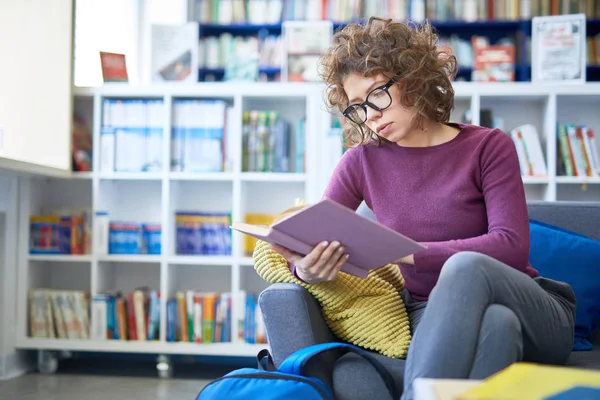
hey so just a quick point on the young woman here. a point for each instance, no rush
(476, 305)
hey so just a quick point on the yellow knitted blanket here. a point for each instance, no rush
(366, 312)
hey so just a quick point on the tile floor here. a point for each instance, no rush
(90, 387)
(100, 379)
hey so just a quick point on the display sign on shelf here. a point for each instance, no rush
(558, 46)
(303, 43)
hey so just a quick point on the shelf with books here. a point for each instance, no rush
(133, 222)
(577, 147)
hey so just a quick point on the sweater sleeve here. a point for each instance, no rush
(346, 183)
(507, 239)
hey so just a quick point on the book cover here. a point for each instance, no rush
(370, 244)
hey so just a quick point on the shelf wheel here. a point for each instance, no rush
(164, 366)
(47, 361)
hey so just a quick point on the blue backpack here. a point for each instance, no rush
(292, 380)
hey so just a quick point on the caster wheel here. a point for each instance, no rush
(164, 367)
(47, 362)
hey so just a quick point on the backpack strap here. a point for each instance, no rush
(260, 361)
(296, 363)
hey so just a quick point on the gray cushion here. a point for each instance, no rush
(580, 217)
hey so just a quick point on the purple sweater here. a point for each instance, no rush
(463, 195)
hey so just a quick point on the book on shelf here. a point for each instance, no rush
(529, 151)
(202, 233)
(578, 153)
(199, 135)
(369, 243)
(58, 314)
(131, 135)
(66, 232)
(270, 143)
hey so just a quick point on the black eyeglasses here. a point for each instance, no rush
(378, 99)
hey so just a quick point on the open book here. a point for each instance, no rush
(369, 244)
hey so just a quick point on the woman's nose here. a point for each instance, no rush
(372, 113)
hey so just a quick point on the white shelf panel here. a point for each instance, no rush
(201, 260)
(156, 347)
(287, 89)
(131, 176)
(190, 176)
(578, 179)
(132, 258)
(247, 262)
(82, 175)
(272, 177)
(530, 180)
(202, 89)
(60, 258)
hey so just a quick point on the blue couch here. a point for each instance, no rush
(293, 318)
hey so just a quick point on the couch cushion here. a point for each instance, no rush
(573, 258)
(580, 217)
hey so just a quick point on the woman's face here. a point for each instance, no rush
(394, 122)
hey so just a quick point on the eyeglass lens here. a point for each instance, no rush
(379, 98)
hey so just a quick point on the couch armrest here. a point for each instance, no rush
(293, 320)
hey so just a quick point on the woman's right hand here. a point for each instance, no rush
(322, 264)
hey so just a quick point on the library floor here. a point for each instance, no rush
(116, 379)
(79, 387)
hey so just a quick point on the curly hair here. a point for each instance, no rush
(408, 54)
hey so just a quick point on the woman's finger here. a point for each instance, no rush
(337, 265)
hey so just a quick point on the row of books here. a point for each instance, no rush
(216, 51)
(61, 314)
(274, 11)
(577, 151)
(59, 234)
(192, 316)
(529, 151)
(270, 145)
(198, 142)
(127, 237)
(202, 233)
(207, 317)
(131, 135)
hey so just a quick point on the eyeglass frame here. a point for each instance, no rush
(362, 105)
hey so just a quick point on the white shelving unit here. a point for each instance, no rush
(156, 196)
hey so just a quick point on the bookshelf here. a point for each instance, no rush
(517, 30)
(156, 196)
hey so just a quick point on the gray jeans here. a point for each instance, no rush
(482, 316)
